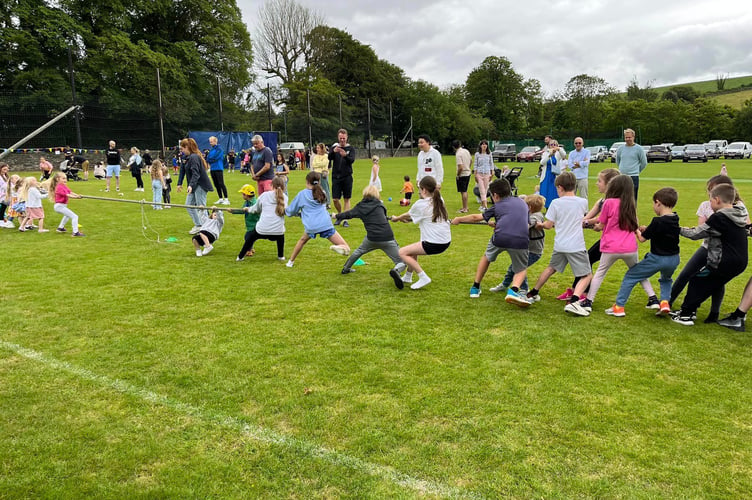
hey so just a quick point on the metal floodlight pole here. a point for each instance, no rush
(219, 97)
(310, 135)
(161, 113)
(269, 105)
(412, 141)
(368, 126)
(391, 130)
(39, 130)
(75, 104)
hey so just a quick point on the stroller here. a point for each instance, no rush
(70, 170)
(511, 175)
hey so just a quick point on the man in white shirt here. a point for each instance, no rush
(429, 161)
(464, 169)
(579, 160)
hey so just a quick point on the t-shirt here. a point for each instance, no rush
(463, 162)
(615, 239)
(113, 157)
(61, 193)
(251, 218)
(269, 222)
(259, 159)
(407, 187)
(566, 213)
(34, 198)
(432, 232)
(512, 223)
(663, 233)
(537, 236)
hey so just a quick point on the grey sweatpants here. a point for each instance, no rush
(390, 248)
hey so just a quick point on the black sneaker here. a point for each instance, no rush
(338, 222)
(677, 317)
(733, 322)
(348, 271)
(653, 303)
(61, 230)
(587, 305)
(397, 279)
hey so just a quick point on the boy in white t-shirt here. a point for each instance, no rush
(565, 214)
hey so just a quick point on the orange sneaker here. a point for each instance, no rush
(665, 309)
(617, 311)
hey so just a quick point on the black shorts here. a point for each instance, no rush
(208, 235)
(342, 187)
(463, 183)
(409, 196)
(434, 248)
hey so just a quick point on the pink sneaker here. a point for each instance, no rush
(566, 295)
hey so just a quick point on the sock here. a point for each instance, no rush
(533, 292)
(476, 284)
(422, 275)
(574, 298)
(739, 314)
(515, 289)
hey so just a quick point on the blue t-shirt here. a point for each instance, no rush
(259, 159)
(313, 214)
(511, 214)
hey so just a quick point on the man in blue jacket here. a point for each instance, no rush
(216, 161)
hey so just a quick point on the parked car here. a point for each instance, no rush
(721, 143)
(598, 153)
(529, 153)
(738, 150)
(612, 151)
(504, 152)
(712, 151)
(695, 152)
(677, 152)
(646, 148)
(659, 153)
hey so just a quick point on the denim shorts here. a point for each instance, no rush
(324, 234)
(113, 170)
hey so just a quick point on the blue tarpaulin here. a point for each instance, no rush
(237, 141)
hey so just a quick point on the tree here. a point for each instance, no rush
(681, 93)
(743, 121)
(282, 37)
(647, 93)
(497, 91)
(585, 96)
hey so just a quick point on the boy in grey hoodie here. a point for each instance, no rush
(209, 232)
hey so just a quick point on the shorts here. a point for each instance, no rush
(342, 187)
(462, 183)
(113, 170)
(409, 196)
(518, 256)
(328, 233)
(578, 261)
(434, 248)
(208, 235)
(35, 213)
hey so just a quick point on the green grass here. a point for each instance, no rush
(157, 374)
(709, 85)
(734, 99)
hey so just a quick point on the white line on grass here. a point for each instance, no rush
(255, 432)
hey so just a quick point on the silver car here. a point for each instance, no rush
(598, 153)
(677, 152)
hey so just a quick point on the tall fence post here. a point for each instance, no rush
(161, 114)
(310, 135)
(368, 126)
(75, 104)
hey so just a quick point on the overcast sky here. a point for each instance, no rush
(441, 41)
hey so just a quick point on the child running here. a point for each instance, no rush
(310, 205)
(34, 209)
(565, 214)
(618, 220)
(435, 234)
(663, 233)
(270, 225)
(379, 234)
(537, 236)
(510, 235)
(407, 191)
(209, 232)
(60, 192)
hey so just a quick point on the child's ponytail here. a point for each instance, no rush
(439, 210)
(314, 179)
(622, 187)
(278, 184)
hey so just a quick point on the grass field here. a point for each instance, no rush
(709, 85)
(735, 99)
(133, 369)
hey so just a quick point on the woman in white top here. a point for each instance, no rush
(483, 171)
(134, 163)
(375, 180)
(431, 215)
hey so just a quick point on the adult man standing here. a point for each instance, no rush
(342, 157)
(464, 168)
(261, 169)
(579, 160)
(429, 161)
(216, 160)
(631, 159)
(113, 166)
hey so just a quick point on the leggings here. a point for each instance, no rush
(594, 255)
(139, 181)
(218, 177)
(68, 215)
(3, 208)
(692, 267)
(252, 236)
(609, 259)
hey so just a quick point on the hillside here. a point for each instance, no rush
(709, 85)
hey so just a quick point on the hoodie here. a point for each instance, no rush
(214, 226)
(726, 235)
(373, 214)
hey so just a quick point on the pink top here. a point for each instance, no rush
(615, 239)
(46, 165)
(61, 193)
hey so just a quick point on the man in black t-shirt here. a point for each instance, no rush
(342, 157)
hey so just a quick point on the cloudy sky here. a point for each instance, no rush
(441, 41)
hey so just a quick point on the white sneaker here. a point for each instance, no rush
(421, 283)
(195, 230)
(281, 259)
(199, 253)
(339, 250)
(576, 308)
(227, 202)
(498, 288)
(407, 277)
(290, 263)
(107, 190)
(207, 249)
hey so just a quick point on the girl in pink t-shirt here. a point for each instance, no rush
(618, 221)
(60, 192)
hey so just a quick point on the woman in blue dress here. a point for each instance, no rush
(553, 163)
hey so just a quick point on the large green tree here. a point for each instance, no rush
(497, 91)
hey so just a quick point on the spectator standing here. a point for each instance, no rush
(429, 161)
(113, 166)
(216, 160)
(579, 160)
(464, 169)
(483, 172)
(261, 165)
(342, 157)
(631, 159)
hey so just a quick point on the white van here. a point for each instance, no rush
(614, 148)
(721, 144)
(286, 147)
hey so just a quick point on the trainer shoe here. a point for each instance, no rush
(194, 230)
(474, 292)
(337, 222)
(587, 304)
(238, 259)
(207, 249)
(44, 231)
(421, 283)
(345, 224)
(340, 250)
(617, 311)
(534, 298)
(400, 267)
(733, 322)
(199, 253)
(107, 190)
(653, 303)
(498, 288)
(281, 259)
(576, 308)
(566, 295)
(61, 230)
(677, 317)
(395, 275)
(665, 308)
(407, 277)
(516, 299)
(290, 263)
(348, 271)
(78, 234)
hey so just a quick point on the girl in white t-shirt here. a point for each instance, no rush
(271, 224)
(34, 210)
(431, 215)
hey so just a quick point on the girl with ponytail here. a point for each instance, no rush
(431, 215)
(271, 223)
(310, 205)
